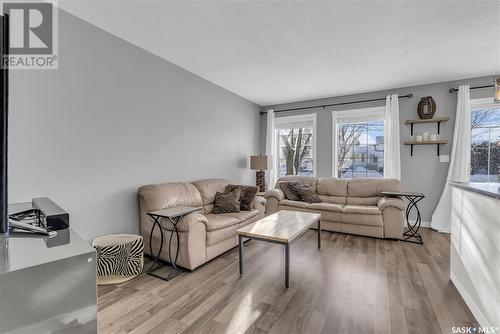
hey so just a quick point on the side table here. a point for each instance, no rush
(174, 216)
(411, 233)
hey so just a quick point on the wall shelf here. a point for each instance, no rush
(429, 142)
(437, 120)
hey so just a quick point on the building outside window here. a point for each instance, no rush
(296, 145)
(485, 141)
(359, 143)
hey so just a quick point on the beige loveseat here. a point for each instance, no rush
(203, 235)
(352, 206)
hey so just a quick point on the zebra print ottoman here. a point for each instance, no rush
(120, 257)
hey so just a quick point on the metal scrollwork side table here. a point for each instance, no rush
(174, 216)
(411, 234)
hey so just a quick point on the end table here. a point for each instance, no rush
(411, 233)
(174, 216)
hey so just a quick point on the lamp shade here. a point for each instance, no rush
(258, 162)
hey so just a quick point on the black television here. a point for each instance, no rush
(4, 107)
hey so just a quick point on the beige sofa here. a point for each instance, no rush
(203, 235)
(352, 206)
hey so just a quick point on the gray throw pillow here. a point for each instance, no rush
(307, 194)
(290, 190)
(227, 202)
(247, 195)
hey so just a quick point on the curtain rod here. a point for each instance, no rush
(409, 95)
(453, 90)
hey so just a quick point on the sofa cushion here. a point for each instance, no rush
(362, 209)
(223, 234)
(247, 195)
(297, 204)
(333, 190)
(186, 223)
(371, 187)
(169, 195)
(208, 188)
(367, 191)
(334, 207)
(290, 190)
(361, 219)
(227, 202)
(332, 216)
(306, 180)
(251, 220)
(217, 222)
(330, 186)
(243, 216)
(306, 194)
(333, 199)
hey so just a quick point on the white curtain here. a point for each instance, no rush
(392, 156)
(270, 150)
(459, 168)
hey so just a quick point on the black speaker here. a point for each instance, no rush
(50, 215)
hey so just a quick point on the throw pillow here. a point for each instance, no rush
(307, 194)
(247, 195)
(227, 202)
(290, 191)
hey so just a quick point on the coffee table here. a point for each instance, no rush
(282, 227)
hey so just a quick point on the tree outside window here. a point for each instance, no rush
(360, 149)
(485, 144)
(295, 147)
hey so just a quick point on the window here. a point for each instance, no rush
(296, 145)
(485, 141)
(358, 143)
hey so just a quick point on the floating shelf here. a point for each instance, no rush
(429, 142)
(437, 120)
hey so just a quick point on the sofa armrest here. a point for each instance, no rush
(273, 197)
(259, 203)
(276, 193)
(392, 210)
(391, 202)
(187, 222)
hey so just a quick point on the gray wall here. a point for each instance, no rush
(114, 117)
(421, 173)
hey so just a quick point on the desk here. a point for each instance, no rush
(48, 284)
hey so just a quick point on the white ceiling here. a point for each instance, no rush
(282, 51)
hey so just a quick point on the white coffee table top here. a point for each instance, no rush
(283, 226)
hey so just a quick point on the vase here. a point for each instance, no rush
(426, 107)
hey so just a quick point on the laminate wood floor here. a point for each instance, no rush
(353, 284)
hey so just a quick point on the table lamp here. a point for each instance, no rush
(259, 163)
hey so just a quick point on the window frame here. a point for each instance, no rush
(369, 113)
(291, 119)
(486, 102)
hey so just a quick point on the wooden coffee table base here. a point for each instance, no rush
(280, 242)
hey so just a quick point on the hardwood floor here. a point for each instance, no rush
(352, 285)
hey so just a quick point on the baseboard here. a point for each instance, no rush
(425, 224)
(481, 319)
